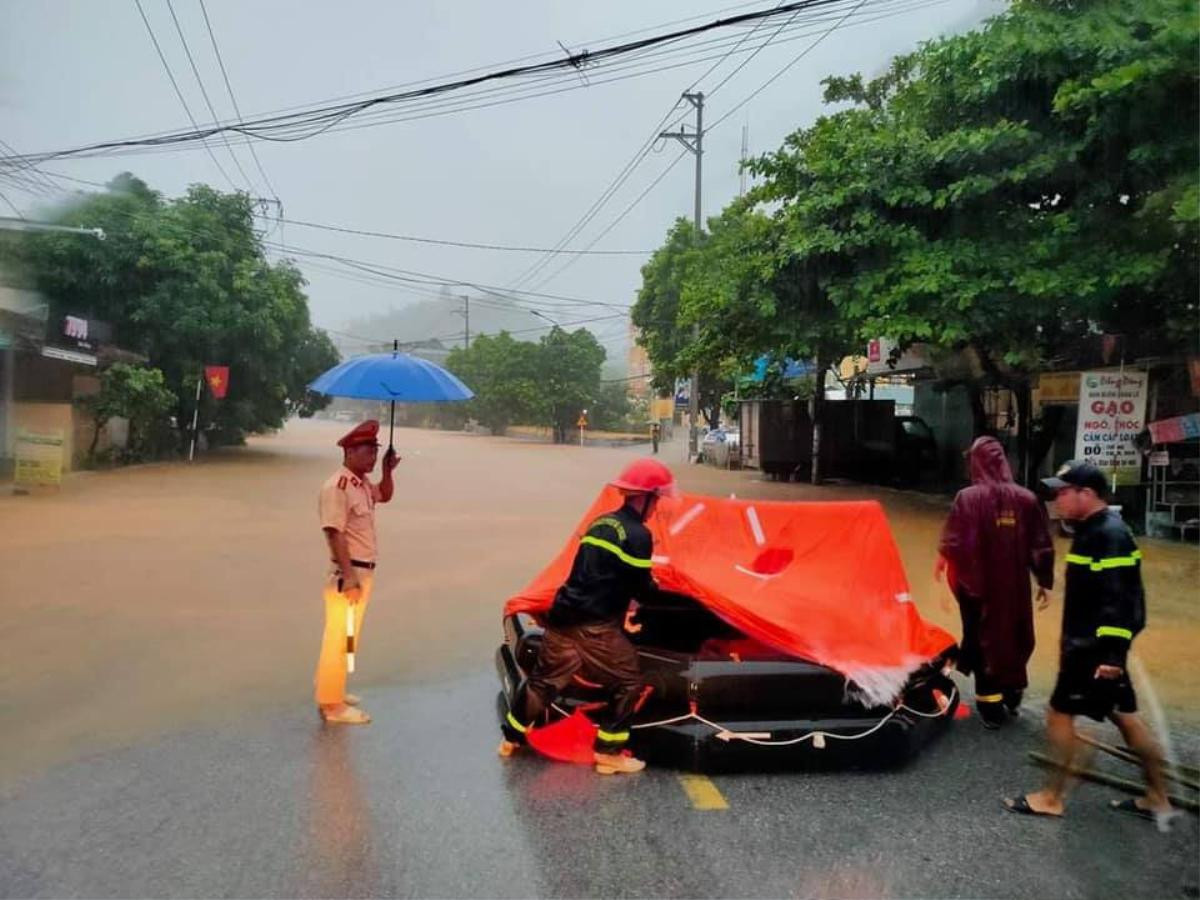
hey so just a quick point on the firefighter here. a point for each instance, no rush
(1103, 610)
(584, 631)
(347, 511)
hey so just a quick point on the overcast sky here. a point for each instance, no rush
(83, 71)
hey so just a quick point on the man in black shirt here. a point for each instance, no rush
(1103, 610)
(584, 633)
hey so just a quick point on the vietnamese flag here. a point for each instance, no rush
(218, 380)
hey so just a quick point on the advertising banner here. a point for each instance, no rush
(1112, 412)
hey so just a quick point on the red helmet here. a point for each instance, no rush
(646, 476)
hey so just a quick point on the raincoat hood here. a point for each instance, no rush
(989, 465)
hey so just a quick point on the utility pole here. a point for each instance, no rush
(742, 167)
(694, 142)
(465, 312)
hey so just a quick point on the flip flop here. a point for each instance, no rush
(1021, 805)
(1161, 819)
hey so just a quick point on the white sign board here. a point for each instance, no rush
(879, 354)
(1112, 412)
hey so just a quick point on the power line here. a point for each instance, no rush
(592, 211)
(440, 107)
(720, 84)
(33, 175)
(449, 243)
(456, 335)
(627, 171)
(178, 93)
(204, 93)
(621, 216)
(507, 62)
(724, 117)
(391, 118)
(12, 206)
(409, 275)
(304, 125)
(799, 56)
(674, 162)
(233, 99)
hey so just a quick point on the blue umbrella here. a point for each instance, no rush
(395, 377)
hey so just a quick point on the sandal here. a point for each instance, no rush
(1161, 818)
(1021, 805)
(345, 715)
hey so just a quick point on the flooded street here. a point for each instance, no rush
(138, 601)
(161, 625)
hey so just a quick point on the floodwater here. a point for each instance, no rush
(140, 601)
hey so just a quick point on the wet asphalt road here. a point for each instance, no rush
(157, 736)
(417, 804)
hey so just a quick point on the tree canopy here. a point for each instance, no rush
(1012, 191)
(185, 282)
(545, 383)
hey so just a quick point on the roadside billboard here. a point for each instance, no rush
(1112, 413)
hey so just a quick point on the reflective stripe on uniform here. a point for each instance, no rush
(614, 524)
(613, 548)
(1112, 631)
(1107, 562)
(988, 698)
(612, 737)
(512, 720)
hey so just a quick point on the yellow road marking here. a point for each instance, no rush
(702, 792)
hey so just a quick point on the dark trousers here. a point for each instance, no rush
(599, 653)
(990, 698)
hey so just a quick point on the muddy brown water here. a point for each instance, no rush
(139, 601)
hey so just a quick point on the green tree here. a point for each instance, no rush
(503, 374)
(675, 334)
(611, 407)
(568, 372)
(186, 283)
(519, 382)
(137, 394)
(1008, 193)
(1003, 195)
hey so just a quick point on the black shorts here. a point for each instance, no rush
(1078, 692)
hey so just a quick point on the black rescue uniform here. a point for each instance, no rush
(1103, 610)
(585, 635)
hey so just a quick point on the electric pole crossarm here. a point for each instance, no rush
(685, 138)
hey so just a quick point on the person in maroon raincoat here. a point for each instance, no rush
(996, 535)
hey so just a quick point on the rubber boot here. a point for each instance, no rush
(992, 714)
(1012, 702)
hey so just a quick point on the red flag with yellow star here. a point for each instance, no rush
(218, 380)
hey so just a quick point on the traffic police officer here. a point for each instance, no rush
(1103, 610)
(347, 511)
(585, 627)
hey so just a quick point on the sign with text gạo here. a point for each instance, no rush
(1112, 412)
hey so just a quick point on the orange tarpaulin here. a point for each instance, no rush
(820, 581)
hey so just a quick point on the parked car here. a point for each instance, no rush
(916, 449)
(905, 459)
(720, 444)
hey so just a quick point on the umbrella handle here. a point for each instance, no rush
(392, 427)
